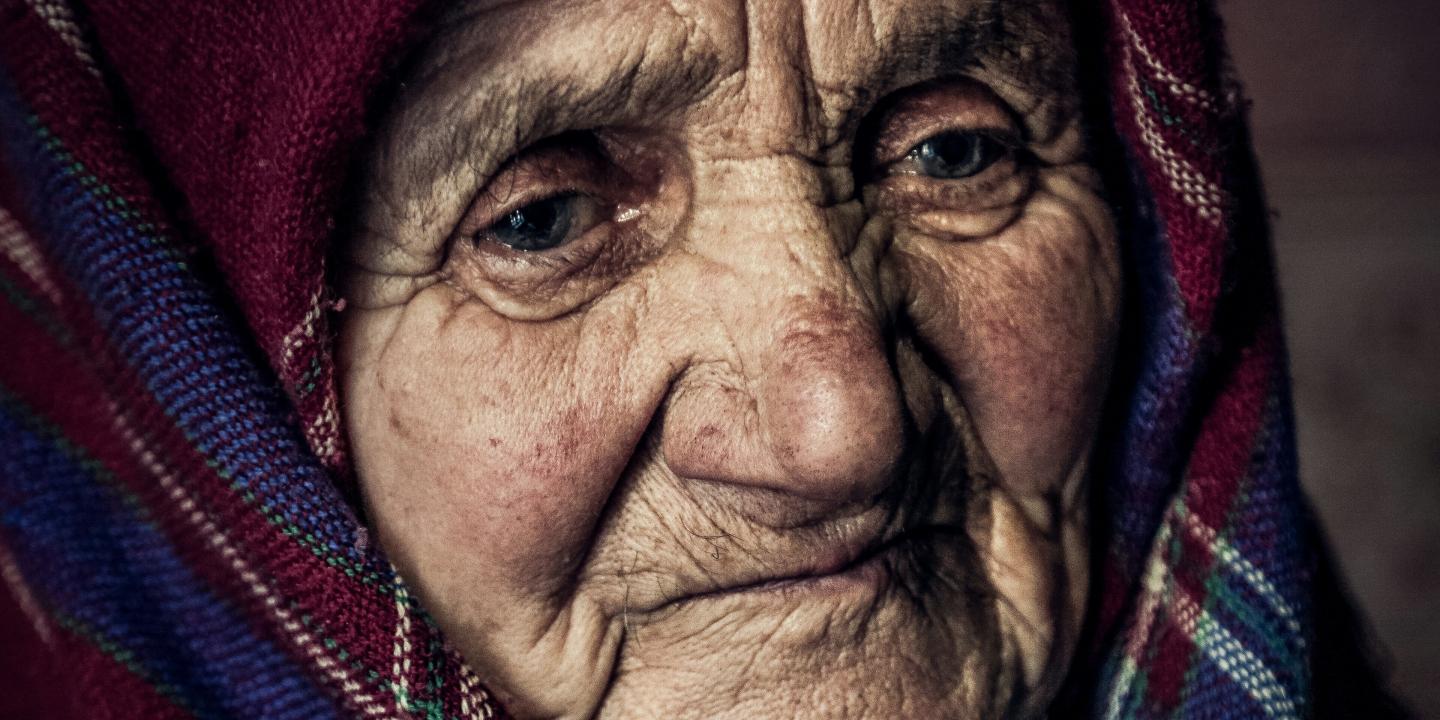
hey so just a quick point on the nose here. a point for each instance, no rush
(800, 397)
(815, 412)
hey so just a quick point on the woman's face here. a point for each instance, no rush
(717, 359)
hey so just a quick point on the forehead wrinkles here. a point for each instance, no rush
(803, 73)
(517, 64)
(1030, 59)
(856, 49)
(816, 68)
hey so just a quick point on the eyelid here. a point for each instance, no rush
(1010, 144)
(557, 166)
(962, 208)
(639, 201)
(955, 105)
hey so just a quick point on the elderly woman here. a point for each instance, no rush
(643, 360)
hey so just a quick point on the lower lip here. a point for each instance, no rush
(868, 576)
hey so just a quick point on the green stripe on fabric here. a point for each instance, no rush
(36, 423)
(35, 310)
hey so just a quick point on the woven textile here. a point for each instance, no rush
(1207, 577)
(177, 538)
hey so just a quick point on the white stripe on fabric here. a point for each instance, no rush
(1153, 588)
(1199, 192)
(401, 650)
(1245, 569)
(1177, 87)
(338, 672)
(22, 250)
(20, 591)
(1232, 657)
(58, 15)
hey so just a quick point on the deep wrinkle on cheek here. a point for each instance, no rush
(1028, 359)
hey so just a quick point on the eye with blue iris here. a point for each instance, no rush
(956, 155)
(564, 220)
(545, 224)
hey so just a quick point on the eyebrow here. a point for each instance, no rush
(477, 98)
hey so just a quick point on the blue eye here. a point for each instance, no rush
(955, 155)
(541, 225)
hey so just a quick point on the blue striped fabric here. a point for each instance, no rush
(91, 549)
(155, 310)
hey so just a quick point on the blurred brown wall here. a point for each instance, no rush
(1347, 123)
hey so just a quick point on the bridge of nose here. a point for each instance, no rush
(792, 389)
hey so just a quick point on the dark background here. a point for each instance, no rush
(1347, 125)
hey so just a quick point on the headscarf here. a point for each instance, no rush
(179, 535)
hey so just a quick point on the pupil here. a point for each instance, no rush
(540, 225)
(954, 155)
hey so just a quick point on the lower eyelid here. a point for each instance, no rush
(970, 226)
(1001, 184)
(545, 286)
(523, 276)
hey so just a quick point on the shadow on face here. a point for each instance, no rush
(717, 359)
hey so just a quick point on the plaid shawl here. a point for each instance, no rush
(177, 535)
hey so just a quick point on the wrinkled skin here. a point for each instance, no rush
(789, 425)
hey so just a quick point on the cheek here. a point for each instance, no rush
(1024, 322)
(486, 445)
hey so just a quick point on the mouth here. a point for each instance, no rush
(899, 543)
(870, 571)
(859, 570)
